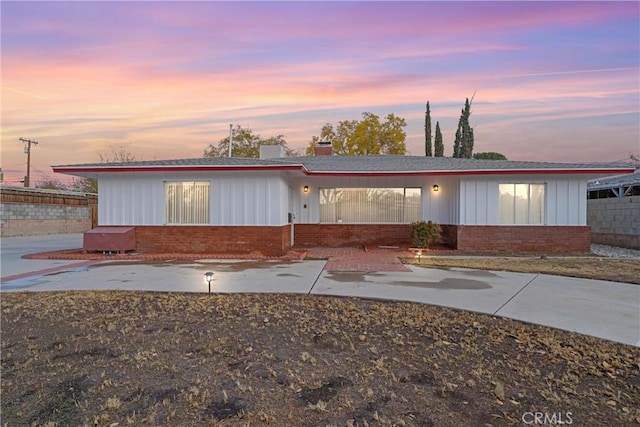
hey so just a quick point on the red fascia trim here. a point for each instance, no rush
(341, 173)
(170, 168)
(481, 172)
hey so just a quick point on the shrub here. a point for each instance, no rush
(423, 233)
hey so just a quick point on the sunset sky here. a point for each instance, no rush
(553, 81)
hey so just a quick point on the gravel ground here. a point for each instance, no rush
(615, 252)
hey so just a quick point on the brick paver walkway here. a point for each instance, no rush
(357, 259)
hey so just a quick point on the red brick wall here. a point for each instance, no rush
(323, 150)
(275, 240)
(524, 238)
(449, 235)
(574, 239)
(335, 235)
(270, 240)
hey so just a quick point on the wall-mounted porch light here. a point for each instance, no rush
(208, 277)
(305, 189)
(435, 187)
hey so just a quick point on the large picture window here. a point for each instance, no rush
(187, 202)
(370, 205)
(522, 203)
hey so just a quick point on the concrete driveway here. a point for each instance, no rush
(603, 309)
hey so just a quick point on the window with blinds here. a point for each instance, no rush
(370, 205)
(522, 203)
(187, 202)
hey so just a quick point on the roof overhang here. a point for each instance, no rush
(92, 170)
(589, 172)
(80, 170)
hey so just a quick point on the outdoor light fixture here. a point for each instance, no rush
(306, 189)
(435, 187)
(208, 277)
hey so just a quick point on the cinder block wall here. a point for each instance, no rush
(31, 212)
(615, 221)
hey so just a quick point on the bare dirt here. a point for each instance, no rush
(149, 359)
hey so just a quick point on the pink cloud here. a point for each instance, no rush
(170, 78)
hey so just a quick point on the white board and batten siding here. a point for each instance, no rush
(246, 199)
(565, 198)
(264, 199)
(235, 198)
(438, 206)
(567, 202)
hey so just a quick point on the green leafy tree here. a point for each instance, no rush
(368, 136)
(245, 144)
(490, 155)
(427, 132)
(438, 144)
(463, 144)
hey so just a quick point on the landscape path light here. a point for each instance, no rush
(208, 277)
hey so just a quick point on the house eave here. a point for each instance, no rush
(469, 172)
(85, 170)
(170, 168)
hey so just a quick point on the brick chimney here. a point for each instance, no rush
(324, 148)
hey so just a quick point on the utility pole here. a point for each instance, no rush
(27, 150)
(230, 138)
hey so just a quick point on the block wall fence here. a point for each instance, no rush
(615, 221)
(32, 212)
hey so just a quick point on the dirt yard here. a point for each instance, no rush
(616, 270)
(150, 359)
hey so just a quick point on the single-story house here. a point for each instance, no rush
(273, 203)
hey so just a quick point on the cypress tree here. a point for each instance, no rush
(456, 143)
(463, 145)
(438, 145)
(466, 143)
(427, 132)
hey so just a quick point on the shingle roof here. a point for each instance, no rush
(422, 164)
(354, 164)
(198, 161)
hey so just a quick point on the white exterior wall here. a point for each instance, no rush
(130, 199)
(565, 198)
(438, 206)
(242, 198)
(236, 198)
(567, 201)
(442, 206)
(249, 199)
